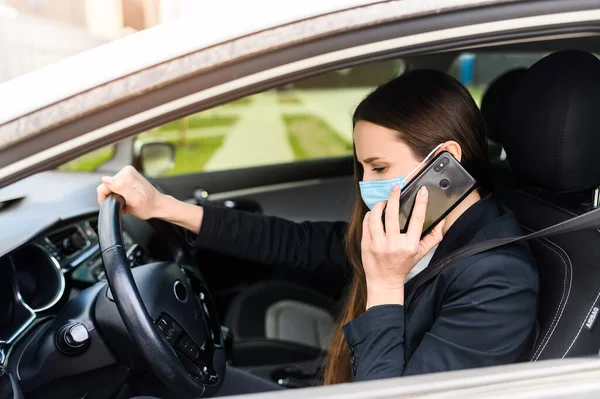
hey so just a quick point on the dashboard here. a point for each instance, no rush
(38, 277)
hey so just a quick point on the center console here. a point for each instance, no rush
(289, 364)
(291, 375)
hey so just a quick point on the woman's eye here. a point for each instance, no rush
(378, 170)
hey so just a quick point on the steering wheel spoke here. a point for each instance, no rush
(196, 358)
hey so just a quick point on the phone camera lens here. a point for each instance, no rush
(444, 184)
(441, 164)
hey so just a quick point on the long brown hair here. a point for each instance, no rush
(426, 108)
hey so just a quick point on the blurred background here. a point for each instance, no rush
(35, 33)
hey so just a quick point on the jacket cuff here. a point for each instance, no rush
(376, 318)
(210, 218)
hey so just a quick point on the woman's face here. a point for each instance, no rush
(380, 153)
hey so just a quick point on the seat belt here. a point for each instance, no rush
(587, 221)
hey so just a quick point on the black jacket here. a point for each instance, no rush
(480, 311)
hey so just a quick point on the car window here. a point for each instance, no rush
(90, 161)
(476, 70)
(308, 119)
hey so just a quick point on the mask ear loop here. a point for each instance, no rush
(423, 162)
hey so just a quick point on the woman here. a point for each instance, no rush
(480, 311)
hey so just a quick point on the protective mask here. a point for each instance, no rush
(375, 191)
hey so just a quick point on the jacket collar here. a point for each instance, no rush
(467, 226)
(458, 235)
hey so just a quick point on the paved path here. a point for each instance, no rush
(258, 138)
(173, 135)
(335, 107)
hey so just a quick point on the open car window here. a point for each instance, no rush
(307, 119)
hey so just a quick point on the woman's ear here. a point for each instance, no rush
(453, 148)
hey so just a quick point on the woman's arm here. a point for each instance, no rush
(188, 216)
(253, 237)
(272, 240)
(487, 319)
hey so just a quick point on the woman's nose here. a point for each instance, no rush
(368, 177)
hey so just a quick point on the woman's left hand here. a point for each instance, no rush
(389, 255)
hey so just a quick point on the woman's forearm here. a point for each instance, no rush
(188, 216)
(258, 238)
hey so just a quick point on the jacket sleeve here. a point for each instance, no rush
(271, 240)
(487, 319)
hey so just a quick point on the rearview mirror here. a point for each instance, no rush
(155, 158)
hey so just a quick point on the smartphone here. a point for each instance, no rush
(448, 184)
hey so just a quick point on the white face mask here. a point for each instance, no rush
(375, 191)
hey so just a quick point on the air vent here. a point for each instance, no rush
(68, 241)
(94, 225)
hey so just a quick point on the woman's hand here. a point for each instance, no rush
(388, 255)
(142, 199)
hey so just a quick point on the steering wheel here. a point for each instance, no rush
(175, 328)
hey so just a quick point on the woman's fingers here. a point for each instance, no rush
(392, 210)
(415, 225)
(375, 223)
(366, 235)
(433, 238)
(125, 183)
(103, 191)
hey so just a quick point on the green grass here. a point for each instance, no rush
(192, 157)
(195, 148)
(284, 97)
(311, 137)
(199, 122)
(240, 102)
(204, 135)
(476, 93)
(89, 162)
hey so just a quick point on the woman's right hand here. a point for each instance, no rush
(142, 199)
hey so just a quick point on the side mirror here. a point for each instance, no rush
(154, 158)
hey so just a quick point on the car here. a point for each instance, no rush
(256, 116)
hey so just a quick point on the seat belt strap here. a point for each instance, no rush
(587, 221)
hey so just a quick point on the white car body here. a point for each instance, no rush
(36, 134)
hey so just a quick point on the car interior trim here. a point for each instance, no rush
(262, 189)
(84, 256)
(32, 316)
(560, 36)
(61, 282)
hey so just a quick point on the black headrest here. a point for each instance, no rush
(494, 103)
(554, 123)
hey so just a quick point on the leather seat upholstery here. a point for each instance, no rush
(276, 321)
(553, 150)
(495, 103)
(495, 108)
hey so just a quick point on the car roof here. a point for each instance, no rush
(221, 22)
(118, 58)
